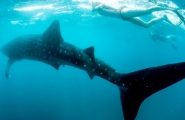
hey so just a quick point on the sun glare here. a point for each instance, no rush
(31, 8)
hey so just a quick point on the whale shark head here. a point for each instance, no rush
(34, 46)
(19, 47)
(22, 45)
(5, 49)
(10, 48)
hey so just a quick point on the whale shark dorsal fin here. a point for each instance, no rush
(90, 75)
(90, 52)
(9, 64)
(52, 35)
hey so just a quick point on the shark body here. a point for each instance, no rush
(51, 49)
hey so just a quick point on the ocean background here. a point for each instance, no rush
(37, 91)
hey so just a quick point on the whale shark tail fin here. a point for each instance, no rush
(139, 85)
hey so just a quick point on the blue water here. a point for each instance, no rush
(37, 91)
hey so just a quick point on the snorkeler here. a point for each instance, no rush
(131, 15)
(164, 38)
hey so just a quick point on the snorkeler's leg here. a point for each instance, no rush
(127, 13)
(138, 21)
(168, 21)
(144, 24)
(97, 5)
(173, 46)
(180, 15)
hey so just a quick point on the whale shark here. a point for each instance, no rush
(50, 48)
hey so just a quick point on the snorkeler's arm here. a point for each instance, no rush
(108, 7)
(103, 6)
(109, 13)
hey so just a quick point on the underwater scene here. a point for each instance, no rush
(92, 59)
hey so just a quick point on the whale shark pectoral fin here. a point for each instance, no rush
(90, 75)
(90, 52)
(55, 62)
(52, 35)
(56, 66)
(9, 64)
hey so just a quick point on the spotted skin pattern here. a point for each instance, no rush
(51, 49)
